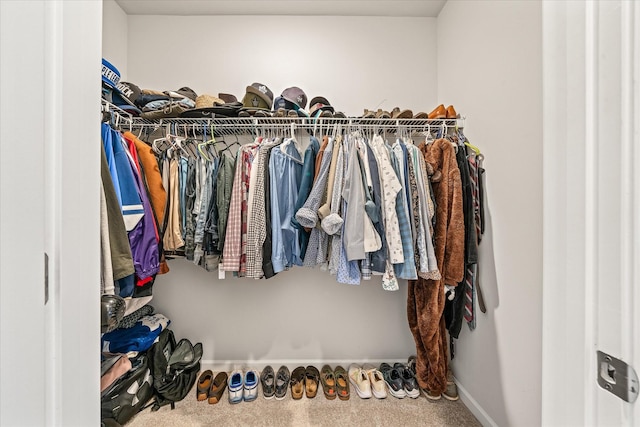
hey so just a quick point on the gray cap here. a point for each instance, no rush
(296, 95)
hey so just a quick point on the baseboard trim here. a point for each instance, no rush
(229, 365)
(475, 407)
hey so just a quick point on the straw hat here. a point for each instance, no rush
(208, 101)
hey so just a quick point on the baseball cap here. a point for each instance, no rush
(261, 91)
(125, 96)
(110, 74)
(296, 96)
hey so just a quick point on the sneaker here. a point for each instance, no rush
(250, 385)
(451, 392)
(360, 381)
(236, 387)
(409, 381)
(393, 379)
(378, 386)
(268, 381)
(282, 382)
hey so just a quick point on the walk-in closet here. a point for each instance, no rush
(554, 295)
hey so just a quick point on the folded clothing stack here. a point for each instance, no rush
(137, 338)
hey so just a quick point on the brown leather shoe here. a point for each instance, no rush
(217, 387)
(438, 113)
(451, 112)
(204, 382)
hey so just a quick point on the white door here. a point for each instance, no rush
(49, 202)
(591, 212)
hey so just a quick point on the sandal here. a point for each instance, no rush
(204, 382)
(311, 380)
(217, 387)
(342, 383)
(297, 383)
(328, 381)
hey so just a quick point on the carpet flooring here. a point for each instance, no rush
(309, 412)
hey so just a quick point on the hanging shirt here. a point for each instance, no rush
(256, 220)
(285, 175)
(132, 210)
(390, 188)
(236, 234)
(107, 143)
(306, 184)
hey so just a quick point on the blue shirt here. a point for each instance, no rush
(285, 174)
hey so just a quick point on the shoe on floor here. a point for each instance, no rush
(342, 383)
(250, 385)
(311, 381)
(297, 383)
(451, 392)
(217, 387)
(409, 381)
(328, 381)
(282, 382)
(378, 386)
(393, 379)
(204, 383)
(432, 395)
(360, 381)
(268, 381)
(236, 386)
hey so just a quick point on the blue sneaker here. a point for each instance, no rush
(236, 387)
(250, 385)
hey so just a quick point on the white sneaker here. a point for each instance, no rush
(236, 386)
(378, 386)
(360, 381)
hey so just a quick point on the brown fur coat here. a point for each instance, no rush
(426, 299)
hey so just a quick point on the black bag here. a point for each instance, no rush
(125, 397)
(174, 368)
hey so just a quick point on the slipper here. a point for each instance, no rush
(421, 115)
(342, 383)
(217, 387)
(297, 383)
(311, 380)
(328, 381)
(204, 383)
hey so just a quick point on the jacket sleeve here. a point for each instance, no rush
(454, 249)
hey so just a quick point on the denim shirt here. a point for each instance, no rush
(285, 174)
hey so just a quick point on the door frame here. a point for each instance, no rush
(572, 180)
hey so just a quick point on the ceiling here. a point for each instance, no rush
(418, 8)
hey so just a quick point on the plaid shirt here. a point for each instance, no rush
(232, 254)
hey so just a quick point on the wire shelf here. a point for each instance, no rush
(252, 124)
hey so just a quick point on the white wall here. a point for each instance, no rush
(115, 34)
(355, 62)
(490, 68)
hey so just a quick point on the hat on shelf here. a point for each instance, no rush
(183, 92)
(292, 101)
(125, 96)
(207, 101)
(320, 106)
(110, 74)
(227, 98)
(208, 106)
(257, 100)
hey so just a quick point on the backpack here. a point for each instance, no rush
(125, 397)
(174, 368)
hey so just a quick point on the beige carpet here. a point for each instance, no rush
(309, 412)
